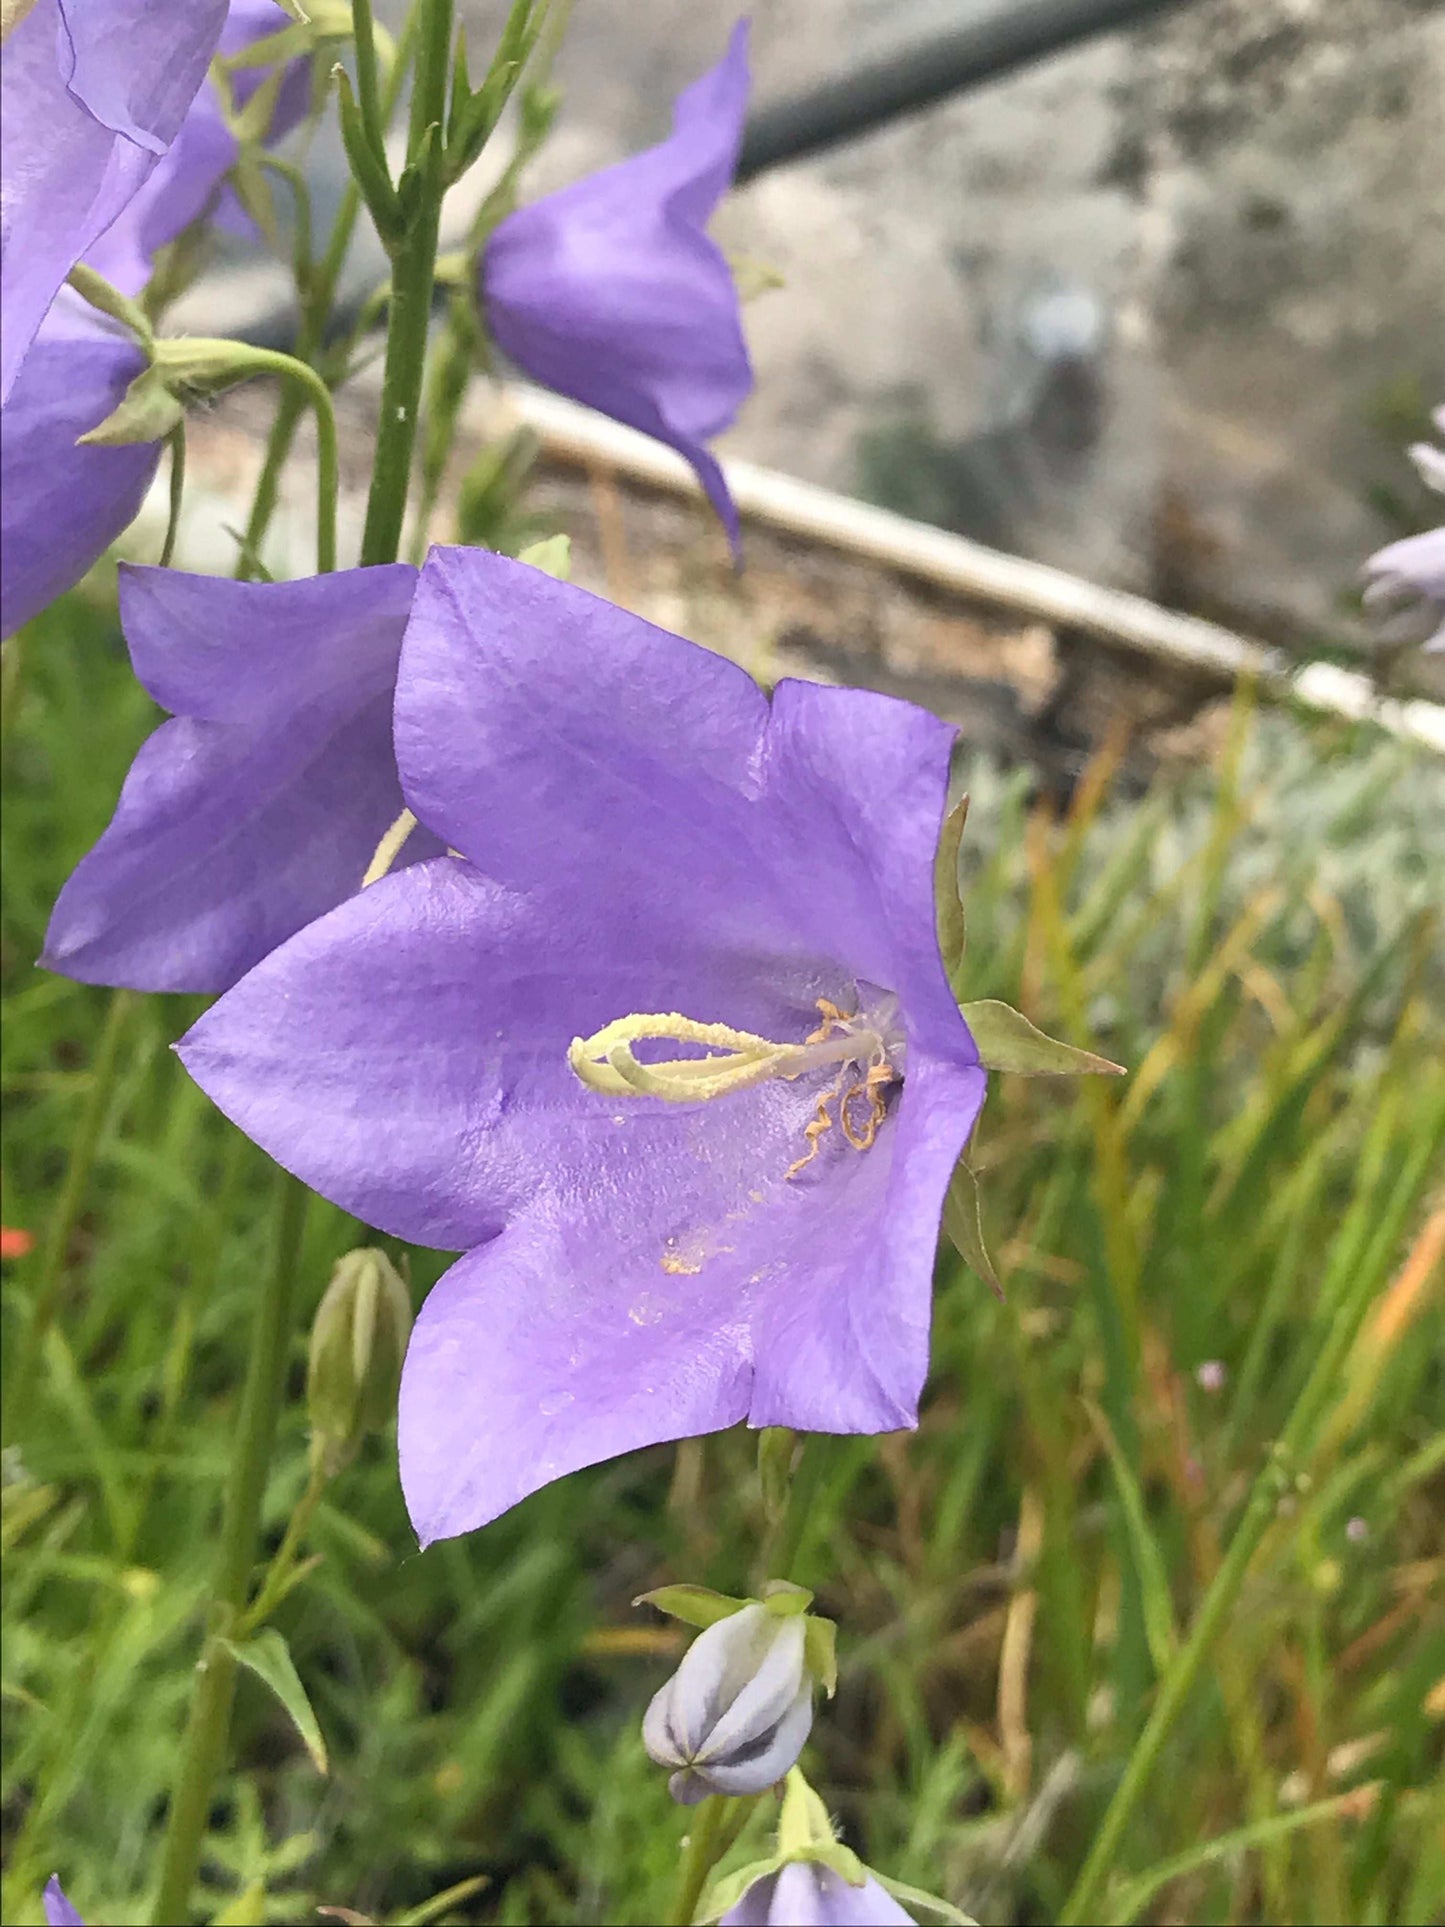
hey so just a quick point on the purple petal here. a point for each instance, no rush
(93, 92)
(611, 292)
(62, 506)
(809, 1895)
(754, 1907)
(58, 1910)
(1412, 571)
(259, 807)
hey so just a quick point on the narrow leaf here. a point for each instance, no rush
(694, 1605)
(952, 932)
(368, 170)
(1007, 1041)
(928, 1904)
(267, 1655)
(1159, 1627)
(963, 1224)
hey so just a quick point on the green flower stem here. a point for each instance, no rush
(311, 388)
(1286, 1460)
(59, 1231)
(717, 1822)
(274, 1585)
(413, 273)
(204, 1745)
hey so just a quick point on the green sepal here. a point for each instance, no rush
(252, 187)
(552, 556)
(721, 1895)
(1007, 1041)
(146, 412)
(98, 292)
(952, 929)
(926, 1903)
(784, 1600)
(268, 1656)
(820, 1651)
(963, 1225)
(696, 1606)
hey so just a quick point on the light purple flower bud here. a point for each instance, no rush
(93, 94)
(1212, 1375)
(58, 1910)
(611, 292)
(61, 506)
(1357, 1530)
(1407, 578)
(807, 1894)
(735, 1714)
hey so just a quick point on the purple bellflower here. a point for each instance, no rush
(188, 180)
(61, 506)
(666, 1047)
(58, 1910)
(1407, 578)
(806, 1894)
(260, 804)
(610, 291)
(93, 94)
(735, 1715)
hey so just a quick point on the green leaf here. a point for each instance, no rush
(952, 931)
(963, 1224)
(820, 1652)
(1159, 1627)
(267, 1655)
(1007, 1041)
(368, 169)
(693, 1605)
(553, 557)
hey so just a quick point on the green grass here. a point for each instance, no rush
(1257, 944)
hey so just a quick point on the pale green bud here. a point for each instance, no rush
(357, 1344)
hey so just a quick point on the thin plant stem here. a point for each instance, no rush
(311, 388)
(67, 1209)
(286, 1555)
(413, 274)
(204, 1744)
(1285, 1461)
(708, 1839)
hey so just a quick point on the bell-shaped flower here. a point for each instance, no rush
(93, 93)
(58, 1910)
(1407, 578)
(804, 1893)
(261, 803)
(188, 181)
(734, 1716)
(62, 505)
(611, 292)
(664, 1043)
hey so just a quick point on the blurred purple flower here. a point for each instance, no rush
(735, 1715)
(92, 95)
(611, 292)
(188, 180)
(260, 804)
(58, 1910)
(62, 506)
(649, 835)
(1407, 578)
(806, 1894)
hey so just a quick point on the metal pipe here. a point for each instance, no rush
(1013, 36)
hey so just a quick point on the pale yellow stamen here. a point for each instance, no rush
(389, 849)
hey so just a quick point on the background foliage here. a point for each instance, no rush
(1261, 944)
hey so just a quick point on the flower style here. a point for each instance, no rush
(649, 858)
(94, 92)
(61, 506)
(260, 804)
(1412, 571)
(735, 1715)
(611, 292)
(58, 1910)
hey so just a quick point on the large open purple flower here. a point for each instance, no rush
(260, 804)
(61, 506)
(93, 93)
(611, 292)
(464, 1054)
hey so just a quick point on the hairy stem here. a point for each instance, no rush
(204, 1745)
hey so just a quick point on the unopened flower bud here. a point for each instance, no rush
(357, 1345)
(58, 1910)
(735, 1714)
